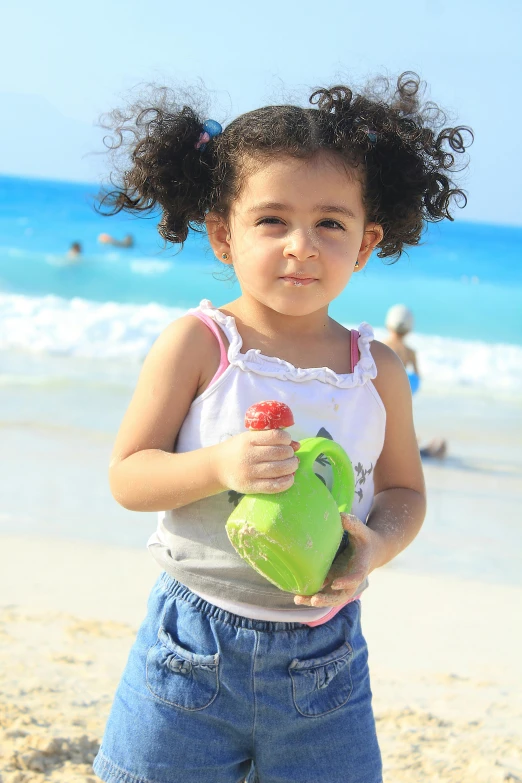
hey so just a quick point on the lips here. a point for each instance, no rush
(298, 280)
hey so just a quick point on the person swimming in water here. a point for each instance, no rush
(107, 239)
(399, 322)
(74, 252)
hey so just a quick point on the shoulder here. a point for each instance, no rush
(384, 357)
(184, 332)
(185, 346)
(391, 381)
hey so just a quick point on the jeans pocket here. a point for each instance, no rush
(181, 678)
(322, 685)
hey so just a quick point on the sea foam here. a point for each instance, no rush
(106, 331)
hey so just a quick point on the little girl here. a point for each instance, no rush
(231, 677)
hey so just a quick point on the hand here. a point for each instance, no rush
(258, 461)
(349, 569)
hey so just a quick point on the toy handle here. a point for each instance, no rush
(343, 489)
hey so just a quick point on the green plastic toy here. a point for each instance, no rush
(292, 537)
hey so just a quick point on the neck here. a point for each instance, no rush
(269, 323)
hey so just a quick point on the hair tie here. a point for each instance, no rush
(372, 136)
(211, 128)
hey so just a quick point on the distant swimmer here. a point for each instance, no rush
(75, 251)
(106, 239)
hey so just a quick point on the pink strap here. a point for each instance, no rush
(333, 611)
(354, 346)
(223, 357)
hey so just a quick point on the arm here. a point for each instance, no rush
(145, 474)
(413, 361)
(399, 503)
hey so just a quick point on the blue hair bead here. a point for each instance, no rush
(372, 137)
(212, 127)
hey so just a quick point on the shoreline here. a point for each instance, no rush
(54, 464)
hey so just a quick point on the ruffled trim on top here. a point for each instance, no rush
(273, 367)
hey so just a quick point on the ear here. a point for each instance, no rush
(373, 234)
(219, 237)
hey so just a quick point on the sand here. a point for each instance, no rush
(442, 621)
(445, 660)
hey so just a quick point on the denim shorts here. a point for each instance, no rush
(211, 697)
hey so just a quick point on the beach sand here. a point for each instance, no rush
(444, 654)
(442, 621)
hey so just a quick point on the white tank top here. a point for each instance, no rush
(191, 543)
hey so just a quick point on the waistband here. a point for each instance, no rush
(174, 589)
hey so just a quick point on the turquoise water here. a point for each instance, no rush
(464, 282)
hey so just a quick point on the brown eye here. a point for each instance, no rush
(270, 221)
(331, 224)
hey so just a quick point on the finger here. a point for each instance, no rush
(319, 601)
(322, 600)
(271, 437)
(302, 600)
(351, 523)
(274, 453)
(271, 486)
(353, 526)
(269, 470)
(353, 575)
(350, 583)
(331, 599)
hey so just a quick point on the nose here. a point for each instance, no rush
(300, 244)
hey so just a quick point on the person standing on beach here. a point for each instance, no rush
(231, 677)
(399, 322)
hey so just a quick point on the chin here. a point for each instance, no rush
(297, 309)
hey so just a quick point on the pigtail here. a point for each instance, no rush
(409, 156)
(159, 166)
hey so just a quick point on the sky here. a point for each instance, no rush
(63, 65)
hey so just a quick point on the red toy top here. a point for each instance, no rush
(268, 415)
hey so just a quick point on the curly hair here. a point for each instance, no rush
(404, 156)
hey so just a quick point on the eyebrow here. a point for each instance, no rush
(278, 207)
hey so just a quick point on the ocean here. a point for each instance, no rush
(73, 337)
(464, 285)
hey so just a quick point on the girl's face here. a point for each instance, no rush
(295, 234)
